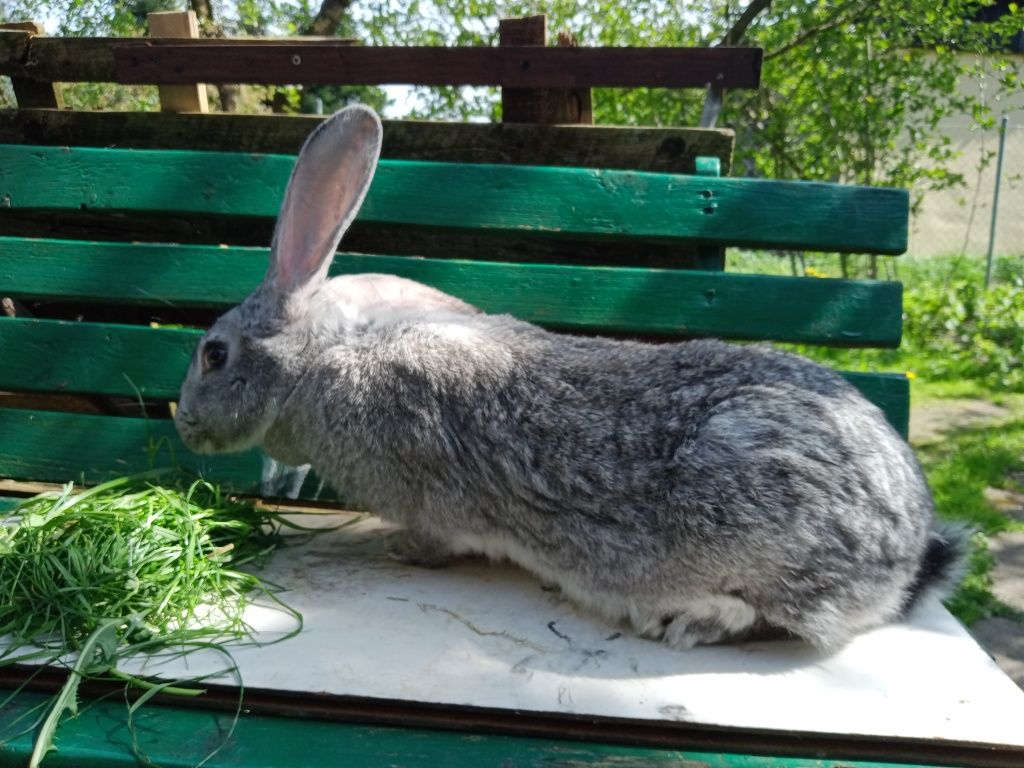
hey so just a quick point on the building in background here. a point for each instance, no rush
(957, 221)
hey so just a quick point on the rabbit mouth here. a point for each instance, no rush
(193, 436)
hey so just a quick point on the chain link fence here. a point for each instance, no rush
(958, 221)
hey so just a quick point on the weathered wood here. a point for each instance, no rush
(52, 447)
(55, 447)
(710, 256)
(513, 66)
(30, 93)
(669, 150)
(91, 59)
(617, 300)
(13, 45)
(420, 737)
(501, 200)
(199, 229)
(540, 105)
(178, 98)
(94, 358)
(8, 502)
(889, 391)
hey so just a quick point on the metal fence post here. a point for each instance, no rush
(995, 200)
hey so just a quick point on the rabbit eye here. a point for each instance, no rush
(215, 354)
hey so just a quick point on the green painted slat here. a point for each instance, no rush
(7, 502)
(56, 447)
(616, 299)
(523, 200)
(176, 737)
(107, 359)
(94, 358)
(889, 391)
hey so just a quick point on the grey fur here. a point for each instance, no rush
(698, 490)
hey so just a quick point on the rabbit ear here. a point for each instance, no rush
(326, 188)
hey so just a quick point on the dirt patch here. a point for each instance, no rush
(930, 421)
(1003, 639)
(1010, 503)
(1008, 573)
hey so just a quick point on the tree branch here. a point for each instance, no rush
(739, 29)
(327, 19)
(840, 18)
(716, 94)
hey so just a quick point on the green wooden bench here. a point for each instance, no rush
(128, 360)
(519, 204)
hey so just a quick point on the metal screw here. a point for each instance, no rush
(296, 59)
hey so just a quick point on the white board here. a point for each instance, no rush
(487, 635)
(479, 634)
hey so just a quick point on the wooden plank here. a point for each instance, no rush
(91, 59)
(499, 200)
(8, 502)
(179, 735)
(710, 256)
(890, 392)
(193, 228)
(178, 98)
(540, 105)
(100, 358)
(587, 299)
(13, 49)
(667, 150)
(513, 66)
(94, 358)
(57, 447)
(31, 93)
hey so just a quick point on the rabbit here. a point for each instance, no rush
(698, 491)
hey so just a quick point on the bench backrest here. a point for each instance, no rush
(525, 202)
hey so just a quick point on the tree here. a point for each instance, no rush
(853, 90)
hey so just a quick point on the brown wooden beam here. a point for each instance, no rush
(540, 105)
(91, 59)
(665, 150)
(27, 92)
(154, 62)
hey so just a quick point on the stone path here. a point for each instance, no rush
(1002, 637)
(930, 421)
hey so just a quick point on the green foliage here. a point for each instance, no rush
(969, 333)
(124, 569)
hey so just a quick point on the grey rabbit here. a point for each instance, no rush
(699, 490)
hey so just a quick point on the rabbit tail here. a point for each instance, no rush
(941, 565)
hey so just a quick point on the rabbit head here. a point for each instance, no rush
(251, 359)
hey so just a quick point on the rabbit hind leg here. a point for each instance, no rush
(697, 621)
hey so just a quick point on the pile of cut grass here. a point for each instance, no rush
(125, 569)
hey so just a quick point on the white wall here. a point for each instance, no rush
(955, 221)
